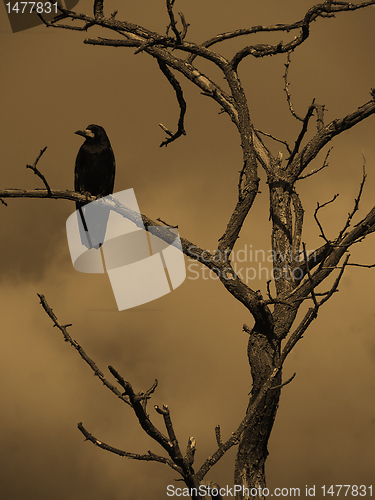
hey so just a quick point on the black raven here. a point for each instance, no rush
(94, 174)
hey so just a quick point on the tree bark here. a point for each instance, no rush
(263, 353)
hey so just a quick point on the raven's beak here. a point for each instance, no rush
(85, 133)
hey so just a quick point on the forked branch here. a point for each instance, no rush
(137, 402)
(173, 23)
(311, 314)
(38, 172)
(319, 207)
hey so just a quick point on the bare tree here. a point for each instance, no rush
(297, 274)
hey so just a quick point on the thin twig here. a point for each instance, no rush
(278, 301)
(275, 139)
(150, 457)
(309, 275)
(177, 455)
(185, 25)
(37, 172)
(286, 89)
(148, 393)
(356, 202)
(316, 170)
(173, 22)
(144, 419)
(310, 315)
(302, 133)
(166, 224)
(336, 283)
(351, 264)
(181, 102)
(318, 207)
(284, 383)
(82, 353)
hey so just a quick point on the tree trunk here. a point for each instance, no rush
(252, 453)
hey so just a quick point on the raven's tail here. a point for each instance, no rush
(93, 224)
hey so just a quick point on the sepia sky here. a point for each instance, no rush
(190, 340)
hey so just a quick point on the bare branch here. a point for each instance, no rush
(362, 265)
(318, 207)
(286, 89)
(298, 333)
(37, 172)
(138, 404)
(171, 433)
(234, 439)
(336, 127)
(278, 27)
(217, 261)
(150, 457)
(165, 224)
(279, 301)
(82, 353)
(310, 315)
(315, 258)
(356, 202)
(310, 278)
(331, 253)
(262, 50)
(181, 102)
(147, 394)
(336, 283)
(173, 22)
(275, 139)
(185, 25)
(171, 444)
(284, 383)
(316, 170)
(351, 264)
(303, 132)
(189, 248)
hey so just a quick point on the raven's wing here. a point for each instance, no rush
(94, 173)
